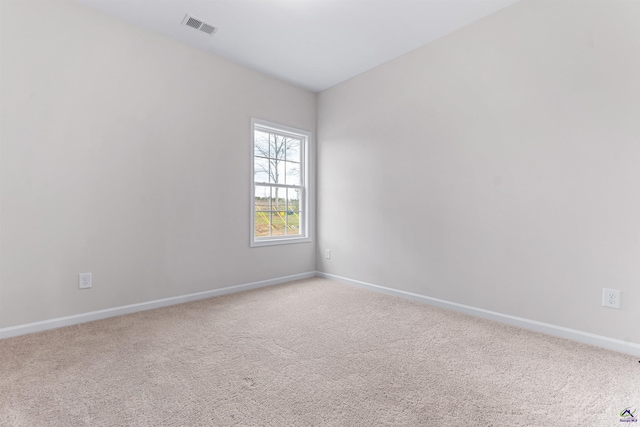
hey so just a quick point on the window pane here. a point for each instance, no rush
(262, 199)
(277, 146)
(280, 172)
(260, 170)
(293, 211)
(293, 150)
(293, 199)
(278, 199)
(292, 173)
(293, 223)
(261, 140)
(262, 225)
(262, 207)
(279, 223)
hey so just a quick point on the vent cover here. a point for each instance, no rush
(199, 25)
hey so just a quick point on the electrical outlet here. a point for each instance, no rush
(327, 253)
(611, 298)
(84, 280)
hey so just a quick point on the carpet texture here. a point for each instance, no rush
(313, 352)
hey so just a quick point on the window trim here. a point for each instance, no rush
(305, 187)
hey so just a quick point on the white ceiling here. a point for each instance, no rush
(313, 44)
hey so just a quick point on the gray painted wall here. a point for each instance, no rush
(498, 167)
(126, 154)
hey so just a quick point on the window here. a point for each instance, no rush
(279, 193)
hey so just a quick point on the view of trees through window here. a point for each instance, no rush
(278, 185)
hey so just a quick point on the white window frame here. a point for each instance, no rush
(305, 193)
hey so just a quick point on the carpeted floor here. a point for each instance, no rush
(313, 352)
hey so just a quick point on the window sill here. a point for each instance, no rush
(279, 241)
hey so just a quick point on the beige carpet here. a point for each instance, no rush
(313, 352)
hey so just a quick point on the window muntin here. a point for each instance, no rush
(279, 187)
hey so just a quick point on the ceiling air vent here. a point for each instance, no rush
(198, 24)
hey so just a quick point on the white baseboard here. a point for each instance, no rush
(59, 322)
(532, 325)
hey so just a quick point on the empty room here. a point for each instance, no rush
(319, 212)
